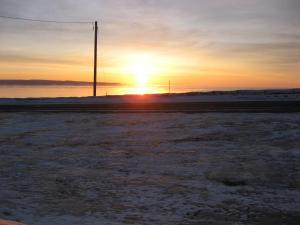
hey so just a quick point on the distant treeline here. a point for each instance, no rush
(52, 82)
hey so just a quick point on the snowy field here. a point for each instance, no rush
(160, 169)
(242, 96)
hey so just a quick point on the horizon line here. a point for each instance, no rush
(45, 82)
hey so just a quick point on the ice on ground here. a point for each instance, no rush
(80, 168)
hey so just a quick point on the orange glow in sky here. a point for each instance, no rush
(200, 44)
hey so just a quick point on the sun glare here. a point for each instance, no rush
(142, 68)
(141, 73)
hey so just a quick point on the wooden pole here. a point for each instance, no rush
(95, 59)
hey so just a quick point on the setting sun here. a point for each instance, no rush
(142, 68)
(141, 73)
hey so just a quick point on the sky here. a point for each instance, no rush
(198, 43)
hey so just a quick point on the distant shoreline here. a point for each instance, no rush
(52, 83)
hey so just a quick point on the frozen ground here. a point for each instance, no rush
(242, 96)
(160, 169)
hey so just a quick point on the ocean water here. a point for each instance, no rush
(83, 91)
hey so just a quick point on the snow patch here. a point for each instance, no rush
(295, 153)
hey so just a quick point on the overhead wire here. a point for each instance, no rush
(45, 21)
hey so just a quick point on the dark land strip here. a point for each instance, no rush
(190, 107)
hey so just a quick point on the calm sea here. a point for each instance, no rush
(82, 91)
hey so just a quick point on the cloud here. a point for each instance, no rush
(24, 58)
(234, 31)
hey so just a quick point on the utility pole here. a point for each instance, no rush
(95, 58)
(169, 87)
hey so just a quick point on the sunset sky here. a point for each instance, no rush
(197, 43)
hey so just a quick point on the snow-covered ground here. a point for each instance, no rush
(176, 169)
(283, 95)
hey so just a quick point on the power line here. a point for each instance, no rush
(45, 21)
(68, 22)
